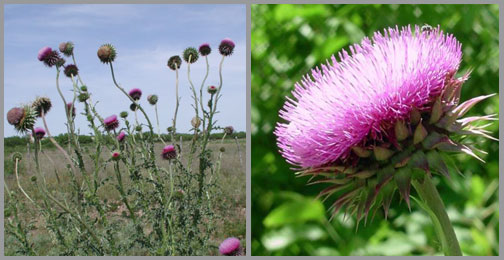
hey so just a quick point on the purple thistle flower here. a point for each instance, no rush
(44, 53)
(226, 47)
(116, 155)
(169, 152)
(135, 93)
(121, 136)
(111, 123)
(49, 57)
(365, 93)
(204, 49)
(39, 133)
(230, 247)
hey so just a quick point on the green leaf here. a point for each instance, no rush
(300, 211)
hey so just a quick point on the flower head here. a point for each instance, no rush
(111, 123)
(226, 47)
(39, 133)
(71, 70)
(363, 123)
(228, 130)
(121, 136)
(107, 53)
(48, 56)
(212, 90)
(169, 152)
(174, 62)
(71, 106)
(204, 49)
(116, 155)
(230, 247)
(135, 93)
(152, 99)
(66, 48)
(42, 104)
(22, 118)
(190, 55)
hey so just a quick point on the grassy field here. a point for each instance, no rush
(229, 204)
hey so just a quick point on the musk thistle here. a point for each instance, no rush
(378, 119)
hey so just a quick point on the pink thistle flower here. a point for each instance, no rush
(49, 57)
(121, 136)
(39, 133)
(226, 47)
(204, 49)
(135, 93)
(230, 247)
(169, 152)
(70, 105)
(378, 83)
(111, 123)
(116, 155)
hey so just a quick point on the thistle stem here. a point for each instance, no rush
(436, 209)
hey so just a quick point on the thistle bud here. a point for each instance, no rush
(116, 156)
(133, 107)
(152, 99)
(190, 55)
(138, 128)
(222, 149)
(17, 156)
(174, 62)
(169, 129)
(123, 114)
(66, 48)
(83, 88)
(33, 178)
(83, 97)
(212, 90)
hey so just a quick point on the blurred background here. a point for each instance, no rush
(287, 42)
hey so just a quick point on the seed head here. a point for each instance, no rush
(190, 53)
(195, 122)
(204, 49)
(107, 53)
(226, 47)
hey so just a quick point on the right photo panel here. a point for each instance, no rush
(374, 130)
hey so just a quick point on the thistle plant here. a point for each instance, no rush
(381, 119)
(167, 203)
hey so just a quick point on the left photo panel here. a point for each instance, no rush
(124, 129)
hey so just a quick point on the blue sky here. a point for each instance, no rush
(145, 36)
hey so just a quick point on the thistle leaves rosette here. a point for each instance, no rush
(381, 118)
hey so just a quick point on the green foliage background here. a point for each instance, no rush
(287, 42)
